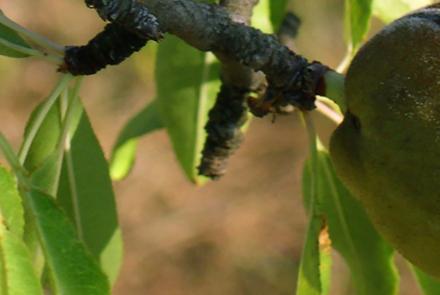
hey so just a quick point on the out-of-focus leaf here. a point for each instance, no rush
(187, 83)
(262, 13)
(85, 192)
(11, 208)
(72, 269)
(357, 21)
(12, 37)
(277, 12)
(16, 272)
(389, 10)
(428, 285)
(123, 154)
(352, 234)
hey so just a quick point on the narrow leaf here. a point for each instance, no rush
(315, 267)
(389, 10)
(11, 208)
(352, 234)
(428, 284)
(85, 192)
(187, 84)
(12, 37)
(72, 270)
(357, 21)
(17, 274)
(123, 154)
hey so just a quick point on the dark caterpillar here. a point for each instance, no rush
(110, 47)
(115, 43)
(224, 134)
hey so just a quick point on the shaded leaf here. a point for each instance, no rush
(12, 37)
(187, 83)
(123, 154)
(351, 232)
(11, 207)
(315, 267)
(16, 271)
(72, 270)
(428, 284)
(357, 21)
(85, 192)
(389, 10)
(278, 10)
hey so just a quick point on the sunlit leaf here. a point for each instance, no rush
(72, 269)
(123, 154)
(85, 192)
(11, 208)
(17, 276)
(389, 10)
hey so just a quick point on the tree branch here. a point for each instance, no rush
(208, 27)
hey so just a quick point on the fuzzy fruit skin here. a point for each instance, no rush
(387, 149)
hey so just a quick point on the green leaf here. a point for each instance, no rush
(85, 192)
(72, 269)
(315, 267)
(357, 21)
(428, 284)
(11, 208)
(46, 139)
(389, 10)
(262, 13)
(187, 83)
(17, 276)
(277, 12)
(10, 36)
(351, 232)
(123, 154)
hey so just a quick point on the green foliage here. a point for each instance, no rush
(351, 232)
(389, 10)
(85, 193)
(72, 269)
(184, 100)
(123, 154)
(62, 202)
(17, 275)
(357, 21)
(428, 284)
(11, 42)
(11, 209)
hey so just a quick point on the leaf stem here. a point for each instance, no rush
(44, 110)
(13, 161)
(313, 150)
(36, 38)
(32, 52)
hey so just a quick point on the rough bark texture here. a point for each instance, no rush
(208, 27)
(227, 117)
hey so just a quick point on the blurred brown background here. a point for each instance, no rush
(240, 235)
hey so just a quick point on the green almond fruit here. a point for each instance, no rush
(387, 149)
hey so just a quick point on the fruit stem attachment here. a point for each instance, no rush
(334, 88)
